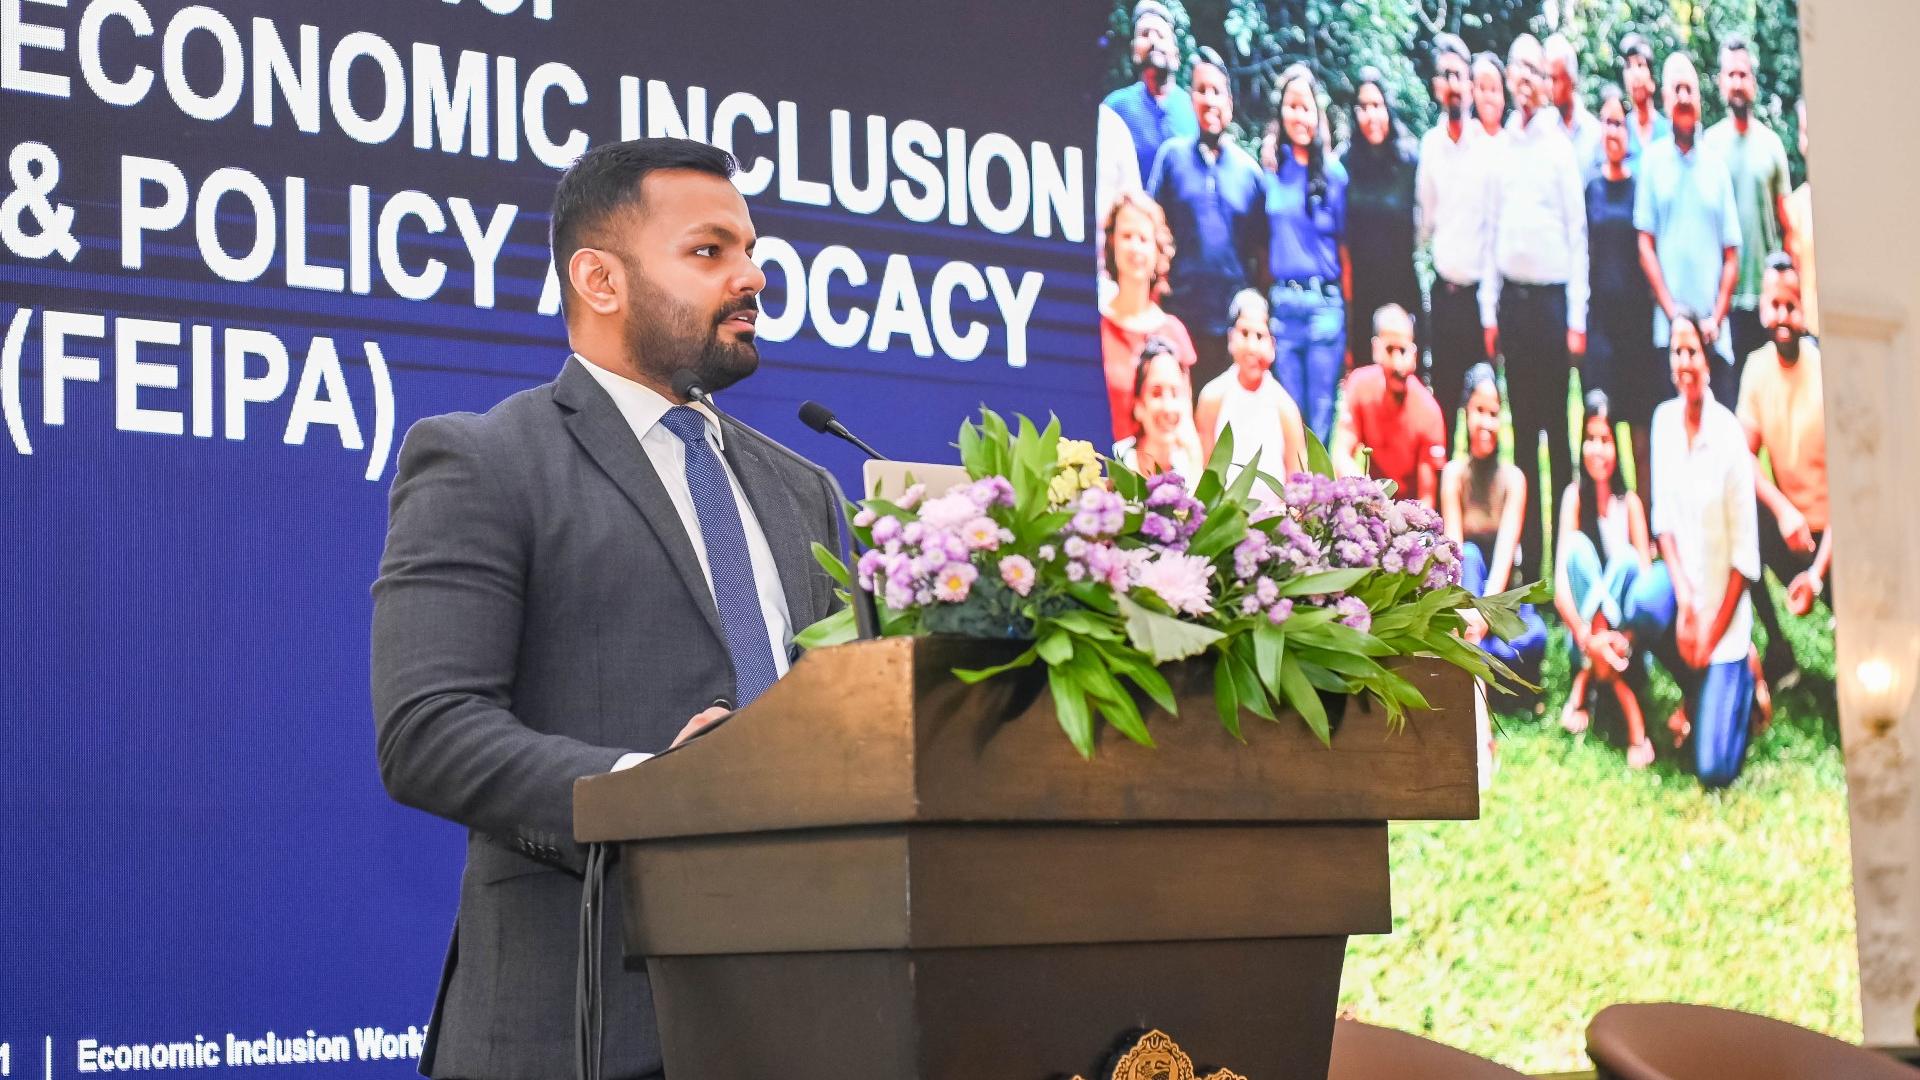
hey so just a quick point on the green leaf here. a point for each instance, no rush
(1224, 528)
(836, 629)
(1055, 648)
(1084, 623)
(1327, 581)
(1246, 685)
(1222, 457)
(1269, 647)
(975, 675)
(1162, 637)
(1318, 460)
(1227, 699)
(1349, 664)
(1070, 704)
(831, 563)
(1114, 701)
(1125, 661)
(1302, 696)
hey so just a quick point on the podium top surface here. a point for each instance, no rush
(880, 733)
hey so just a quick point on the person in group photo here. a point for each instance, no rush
(1539, 300)
(1389, 425)
(1756, 161)
(1620, 354)
(1580, 126)
(1646, 124)
(1215, 199)
(1381, 161)
(1483, 501)
(1163, 438)
(1266, 423)
(1153, 109)
(1307, 257)
(1139, 250)
(1490, 93)
(1705, 521)
(1689, 227)
(1453, 188)
(1613, 598)
(1780, 408)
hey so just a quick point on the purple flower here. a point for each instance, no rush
(1353, 612)
(867, 516)
(991, 491)
(886, 530)
(1280, 612)
(949, 512)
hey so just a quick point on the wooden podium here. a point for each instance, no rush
(877, 872)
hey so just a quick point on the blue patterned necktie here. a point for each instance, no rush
(735, 592)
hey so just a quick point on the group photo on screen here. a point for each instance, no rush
(1547, 267)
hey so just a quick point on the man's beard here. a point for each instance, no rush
(665, 337)
(1741, 107)
(1158, 62)
(1456, 110)
(1787, 344)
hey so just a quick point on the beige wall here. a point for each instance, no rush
(1865, 164)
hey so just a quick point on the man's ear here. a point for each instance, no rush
(599, 280)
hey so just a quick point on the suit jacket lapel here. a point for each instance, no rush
(780, 521)
(596, 424)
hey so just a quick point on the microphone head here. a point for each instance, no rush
(687, 385)
(816, 416)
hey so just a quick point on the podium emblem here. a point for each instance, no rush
(1157, 1057)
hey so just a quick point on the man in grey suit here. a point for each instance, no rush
(571, 576)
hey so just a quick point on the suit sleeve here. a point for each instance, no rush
(447, 620)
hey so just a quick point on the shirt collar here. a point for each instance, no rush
(643, 406)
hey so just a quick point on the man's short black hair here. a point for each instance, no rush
(1445, 44)
(606, 181)
(1635, 44)
(1206, 55)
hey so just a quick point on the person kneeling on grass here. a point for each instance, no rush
(1611, 594)
(1483, 501)
(1705, 519)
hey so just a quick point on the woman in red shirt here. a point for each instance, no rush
(1139, 250)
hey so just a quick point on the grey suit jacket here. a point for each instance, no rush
(540, 612)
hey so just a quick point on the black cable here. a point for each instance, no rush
(589, 996)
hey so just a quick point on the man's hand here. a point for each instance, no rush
(1800, 592)
(1793, 529)
(1607, 649)
(1709, 332)
(1576, 342)
(1687, 632)
(1491, 335)
(704, 720)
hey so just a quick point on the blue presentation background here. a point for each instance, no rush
(193, 837)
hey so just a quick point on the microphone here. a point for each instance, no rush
(687, 385)
(821, 419)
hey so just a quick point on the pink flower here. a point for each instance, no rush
(954, 582)
(981, 534)
(1017, 572)
(949, 512)
(886, 530)
(1180, 580)
(911, 497)
(867, 516)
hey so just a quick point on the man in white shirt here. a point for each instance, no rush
(572, 575)
(1581, 127)
(1706, 522)
(1453, 189)
(1538, 297)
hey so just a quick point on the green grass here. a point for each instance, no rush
(1585, 883)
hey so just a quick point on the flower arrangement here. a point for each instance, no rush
(1300, 589)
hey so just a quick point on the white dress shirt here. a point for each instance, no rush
(1453, 188)
(1541, 234)
(642, 407)
(1703, 497)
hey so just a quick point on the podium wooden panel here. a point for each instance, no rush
(877, 872)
